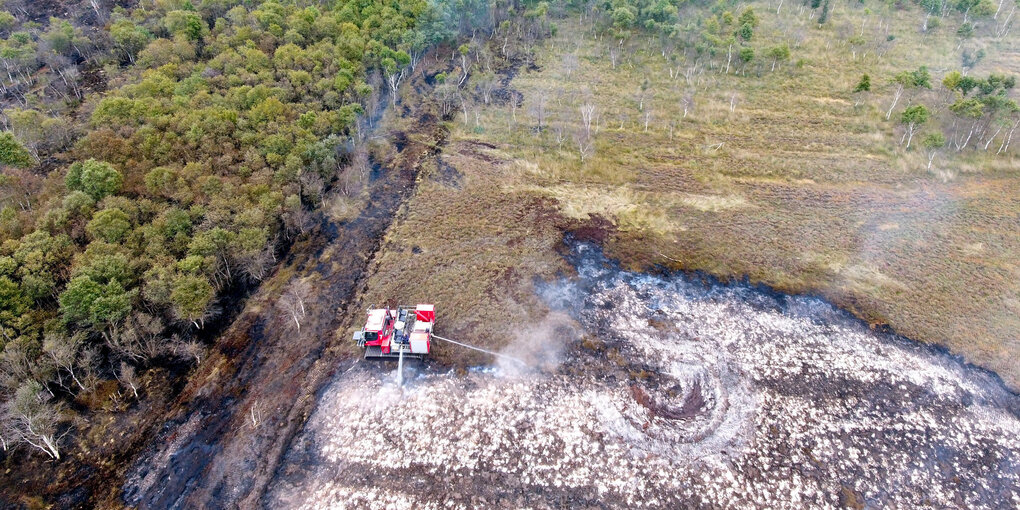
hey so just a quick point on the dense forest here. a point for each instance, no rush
(161, 155)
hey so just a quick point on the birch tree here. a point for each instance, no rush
(863, 87)
(292, 303)
(539, 106)
(64, 351)
(778, 53)
(687, 102)
(913, 117)
(920, 78)
(933, 143)
(485, 85)
(587, 116)
(188, 349)
(128, 377)
(585, 145)
(32, 419)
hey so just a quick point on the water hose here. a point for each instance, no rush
(518, 360)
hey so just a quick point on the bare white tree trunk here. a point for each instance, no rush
(128, 377)
(989, 142)
(46, 443)
(256, 414)
(1002, 30)
(188, 349)
(464, 70)
(393, 80)
(1004, 146)
(970, 134)
(587, 115)
(585, 146)
(896, 99)
(515, 103)
(292, 302)
(64, 353)
(687, 102)
(540, 105)
(30, 425)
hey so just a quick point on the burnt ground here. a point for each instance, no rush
(680, 393)
(215, 451)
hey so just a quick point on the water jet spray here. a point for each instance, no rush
(406, 331)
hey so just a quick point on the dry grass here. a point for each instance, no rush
(473, 249)
(795, 187)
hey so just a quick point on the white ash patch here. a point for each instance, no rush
(716, 396)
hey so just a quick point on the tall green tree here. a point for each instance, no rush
(913, 117)
(12, 153)
(186, 24)
(110, 225)
(129, 38)
(95, 178)
(191, 297)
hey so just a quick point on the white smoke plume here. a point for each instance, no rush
(539, 346)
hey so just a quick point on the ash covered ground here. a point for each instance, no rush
(671, 393)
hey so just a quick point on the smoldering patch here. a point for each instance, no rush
(539, 346)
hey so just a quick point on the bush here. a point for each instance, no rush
(95, 178)
(12, 153)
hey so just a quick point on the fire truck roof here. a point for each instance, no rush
(376, 319)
